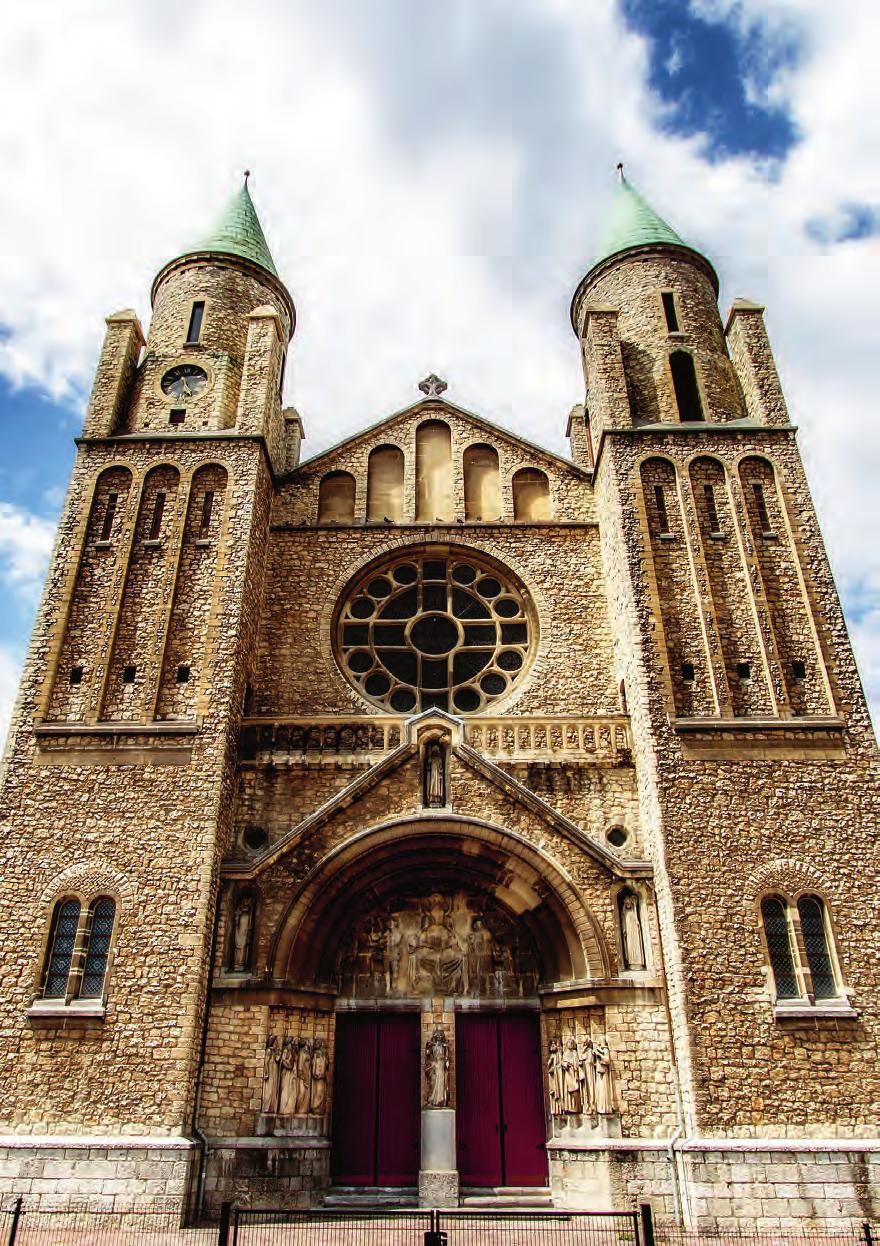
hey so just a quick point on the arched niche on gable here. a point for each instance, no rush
(385, 485)
(434, 499)
(531, 495)
(482, 485)
(336, 498)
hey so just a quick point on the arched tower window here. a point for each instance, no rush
(62, 941)
(811, 912)
(385, 485)
(434, 472)
(482, 489)
(687, 390)
(777, 931)
(336, 498)
(99, 932)
(531, 495)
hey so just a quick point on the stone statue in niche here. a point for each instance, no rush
(242, 934)
(435, 775)
(271, 1075)
(320, 1069)
(580, 1079)
(604, 1079)
(439, 944)
(631, 931)
(571, 1086)
(587, 1074)
(554, 1078)
(437, 1070)
(288, 1092)
(303, 1076)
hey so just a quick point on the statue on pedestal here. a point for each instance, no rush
(437, 1070)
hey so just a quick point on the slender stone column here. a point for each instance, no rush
(438, 1171)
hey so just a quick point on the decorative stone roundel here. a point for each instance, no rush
(435, 629)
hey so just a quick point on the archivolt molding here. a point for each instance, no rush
(787, 875)
(88, 878)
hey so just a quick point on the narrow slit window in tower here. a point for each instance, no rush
(662, 513)
(156, 521)
(76, 675)
(128, 674)
(712, 510)
(763, 513)
(774, 914)
(687, 390)
(669, 311)
(687, 672)
(207, 510)
(183, 674)
(62, 941)
(109, 515)
(194, 331)
(811, 911)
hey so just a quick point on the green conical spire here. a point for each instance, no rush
(238, 232)
(632, 222)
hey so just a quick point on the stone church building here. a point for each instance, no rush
(437, 814)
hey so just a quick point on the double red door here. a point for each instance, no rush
(376, 1090)
(500, 1125)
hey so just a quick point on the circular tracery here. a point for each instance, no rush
(434, 630)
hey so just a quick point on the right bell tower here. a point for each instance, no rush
(756, 759)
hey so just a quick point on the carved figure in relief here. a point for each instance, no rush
(393, 957)
(241, 934)
(303, 1076)
(439, 956)
(271, 1075)
(571, 1087)
(554, 1078)
(604, 1079)
(437, 1070)
(479, 956)
(587, 1074)
(633, 941)
(435, 776)
(288, 1079)
(320, 1069)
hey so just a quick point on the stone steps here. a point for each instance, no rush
(510, 1197)
(362, 1198)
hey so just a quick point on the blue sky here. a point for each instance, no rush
(432, 179)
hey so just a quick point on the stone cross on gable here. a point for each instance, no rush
(432, 386)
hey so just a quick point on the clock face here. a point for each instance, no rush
(185, 381)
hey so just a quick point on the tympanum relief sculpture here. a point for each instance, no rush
(294, 1092)
(580, 1079)
(438, 945)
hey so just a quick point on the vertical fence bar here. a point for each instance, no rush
(13, 1228)
(868, 1235)
(223, 1230)
(647, 1218)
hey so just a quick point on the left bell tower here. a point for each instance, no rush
(115, 803)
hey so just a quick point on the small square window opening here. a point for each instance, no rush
(744, 672)
(194, 331)
(687, 672)
(76, 675)
(798, 671)
(669, 311)
(128, 674)
(177, 416)
(183, 674)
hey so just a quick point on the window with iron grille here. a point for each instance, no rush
(62, 941)
(811, 911)
(774, 912)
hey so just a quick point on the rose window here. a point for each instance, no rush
(427, 630)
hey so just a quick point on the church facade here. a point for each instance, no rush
(437, 814)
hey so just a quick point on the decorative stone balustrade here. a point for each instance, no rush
(602, 740)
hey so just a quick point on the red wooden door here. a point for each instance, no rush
(376, 1087)
(399, 1100)
(478, 1100)
(522, 1101)
(500, 1126)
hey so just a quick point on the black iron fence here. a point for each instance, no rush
(24, 1223)
(463, 1227)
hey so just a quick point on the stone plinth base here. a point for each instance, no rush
(98, 1173)
(266, 1172)
(438, 1176)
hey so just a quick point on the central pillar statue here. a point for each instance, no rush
(438, 1171)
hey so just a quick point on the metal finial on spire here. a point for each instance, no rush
(247, 174)
(620, 170)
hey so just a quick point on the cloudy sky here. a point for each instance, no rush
(432, 177)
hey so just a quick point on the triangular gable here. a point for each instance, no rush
(435, 407)
(406, 752)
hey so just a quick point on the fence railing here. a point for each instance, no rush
(23, 1223)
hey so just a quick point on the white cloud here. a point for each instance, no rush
(25, 546)
(10, 669)
(418, 231)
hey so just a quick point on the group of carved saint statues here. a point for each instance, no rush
(295, 1077)
(579, 1075)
